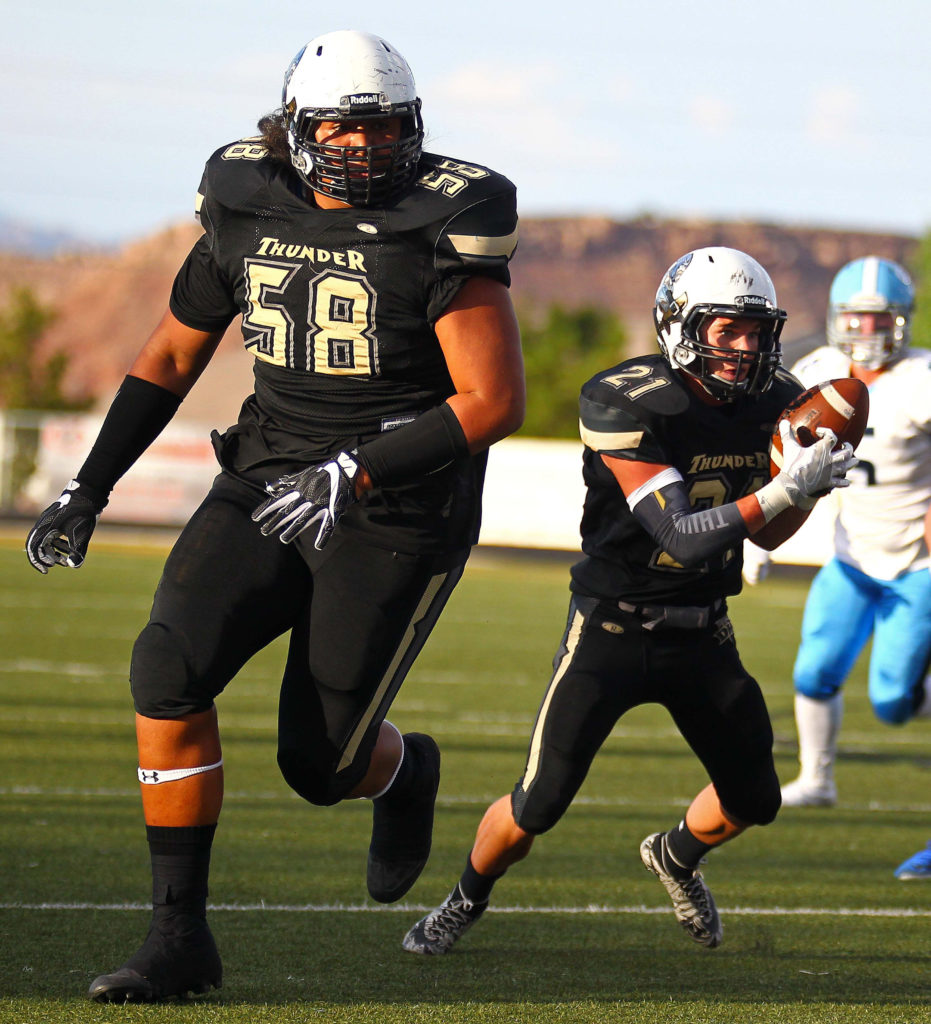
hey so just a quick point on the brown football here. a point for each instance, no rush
(842, 404)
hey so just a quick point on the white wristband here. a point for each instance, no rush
(773, 498)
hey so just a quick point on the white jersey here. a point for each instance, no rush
(879, 525)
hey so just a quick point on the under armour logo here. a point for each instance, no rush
(150, 777)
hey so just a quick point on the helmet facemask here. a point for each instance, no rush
(693, 356)
(357, 175)
(871, 351)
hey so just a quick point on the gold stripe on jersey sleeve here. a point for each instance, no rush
(484, 245)
(600, 441)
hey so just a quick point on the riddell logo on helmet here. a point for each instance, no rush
(364, 99)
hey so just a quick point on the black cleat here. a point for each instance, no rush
(165, 967)
(402, 831)
(436, 933)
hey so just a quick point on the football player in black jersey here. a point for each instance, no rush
(676, 467)
(372, 281)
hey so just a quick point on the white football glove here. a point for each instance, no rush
(318, 494)
(757, 563)
(809, 473)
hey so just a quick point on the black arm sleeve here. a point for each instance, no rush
(690, 537)
(429, 443)
(139, 413)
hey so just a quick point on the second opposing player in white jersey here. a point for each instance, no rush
(879, 570)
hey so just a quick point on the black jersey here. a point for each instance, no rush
(643, 410)
(338, 307)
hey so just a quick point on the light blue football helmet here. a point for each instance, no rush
(870, 285)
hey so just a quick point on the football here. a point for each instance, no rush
(842, 404)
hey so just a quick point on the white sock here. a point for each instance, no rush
(818, 723)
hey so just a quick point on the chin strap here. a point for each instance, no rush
(156, 776)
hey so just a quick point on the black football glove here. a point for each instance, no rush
(63, 531)
(319, 494)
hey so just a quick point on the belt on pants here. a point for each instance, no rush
(672, 616)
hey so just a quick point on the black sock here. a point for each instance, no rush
(180, 865)
(406, 779)
(683, 850)
(476, 888)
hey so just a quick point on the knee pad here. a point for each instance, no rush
(895, 712)
(315, 782)
(160, 676)
(755, 802)
(815, 686)
(535, 818)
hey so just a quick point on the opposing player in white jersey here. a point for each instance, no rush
(879, 573)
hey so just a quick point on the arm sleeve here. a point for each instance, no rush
(138, 414)
(690, 536)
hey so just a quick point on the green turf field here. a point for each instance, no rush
(816, 927)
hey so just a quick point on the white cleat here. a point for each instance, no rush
(799, 793)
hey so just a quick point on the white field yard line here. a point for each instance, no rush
(418, 908)
(741, 911)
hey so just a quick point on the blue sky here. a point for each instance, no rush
(793, 112)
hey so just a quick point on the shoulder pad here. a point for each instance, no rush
(820, 364)
(447, 190)
(237, 174)
(619, 407)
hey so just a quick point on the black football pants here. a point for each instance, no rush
(607, 664)
(358, 615)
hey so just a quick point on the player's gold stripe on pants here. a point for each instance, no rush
(352, 747)
(573, 633)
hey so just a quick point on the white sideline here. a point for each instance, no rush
(418, 908)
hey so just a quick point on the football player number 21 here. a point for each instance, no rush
(340, 337)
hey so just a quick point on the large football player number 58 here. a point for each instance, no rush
(341, 320)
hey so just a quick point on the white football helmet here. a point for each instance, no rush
(870, 285)
(354, 76)
(718, 282)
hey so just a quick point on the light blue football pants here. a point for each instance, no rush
(844, 607)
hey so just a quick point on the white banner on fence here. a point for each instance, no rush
(533, 487)
(534, 494)
(163, 488)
